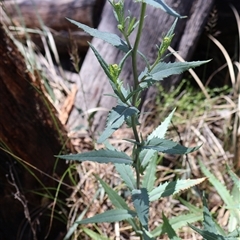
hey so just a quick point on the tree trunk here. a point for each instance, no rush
(93, 80)
(52, 14)
(30, 136)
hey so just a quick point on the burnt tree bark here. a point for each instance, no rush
(52, 14)
(93, 80)
(29, 139)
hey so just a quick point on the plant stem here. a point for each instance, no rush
(135, 86)
(134, 65)
(135, 49)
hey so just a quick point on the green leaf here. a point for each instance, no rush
(114, 215)
(141, 203)
(168, 146)
(125, 92)
(145, 156)
(100, 156)
(126, 174)
(190, 207)
(210, 235)
(167, 228)
(150, 174)
(161, 130)
(93, 235)
(208, 223)
(117, 116)
(117, 200)
(125, 58)
(103, 64)
(233, 221)
(170, 188)
(178, 222)
(147, 235)
(111, 38)
(132, 25)
(166, 42)
(163, 70)
(161, 4)
(222, 191)
(234, 177)
(235, 233)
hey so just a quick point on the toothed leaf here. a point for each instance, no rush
(100, 156)
(116, 200)
(114, 215)
(161, 4)
(126, 174)
(103, 64)
(141, 203)
(224, 194)
(208, 222)
(170, 188)
(210, 235)
(167, 228)
(145, 156)
(117, 116)
(161, 130)
(150, 173)
(163, 70)
(168, 146)
(111, 38)
(178, 222)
